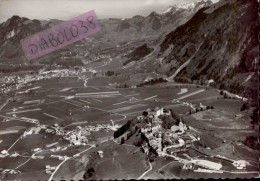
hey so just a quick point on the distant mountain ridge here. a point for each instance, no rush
(114, 31)
(154, 24)
(193, 43)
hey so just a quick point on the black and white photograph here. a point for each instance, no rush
(129, 89)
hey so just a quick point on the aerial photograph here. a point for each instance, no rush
(129, 89)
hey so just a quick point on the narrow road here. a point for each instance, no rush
(184, 64)
(28, 159)
(151, 167)
(85, 82)
(4, 104)
(23, 163)
(150, 97)
(57, 168)
(174, 146)
(14, 143)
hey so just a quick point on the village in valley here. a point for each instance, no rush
(170, 95)
(159, 132)
(75, 137)
(165, 132)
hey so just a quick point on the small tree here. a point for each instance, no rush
(129, 135)
(122, 140)
(243, 107)
(225, 96)
(136, 128)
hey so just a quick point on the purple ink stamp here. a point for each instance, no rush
(60, 35)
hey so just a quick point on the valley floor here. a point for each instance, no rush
(60, 107)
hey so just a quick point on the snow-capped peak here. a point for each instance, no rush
(189, 6)
(186, 5)
(167, 10)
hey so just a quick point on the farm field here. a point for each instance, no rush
(71, 102)
(129, 160)
(155, 91)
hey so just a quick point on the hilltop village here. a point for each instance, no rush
(161, 133)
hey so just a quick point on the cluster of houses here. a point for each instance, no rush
(58, 73)
(98, 57)
(58, 148)
(78, 136)
(10, 171)
(17, 81)
(194, 108)
(4, 153)
(28, 120)
(199, 108)
(14, 82)
(177, 136)
(167, 142)
(60, 157)
(75, 137)
(179, 129)
(98, 127)
(153, 130)
(177, 142)
(49, 169)
(239, 164)
(55, 129)
(31, 130)
(8, 83)
(228, 95)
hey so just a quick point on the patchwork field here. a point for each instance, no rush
(72, 102)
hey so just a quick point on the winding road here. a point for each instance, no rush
(58, 167)
(151, 167)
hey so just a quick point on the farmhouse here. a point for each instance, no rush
(100, 153)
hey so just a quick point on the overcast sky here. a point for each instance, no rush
(67, 9)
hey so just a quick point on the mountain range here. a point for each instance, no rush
(114, 31)
(196, 43)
